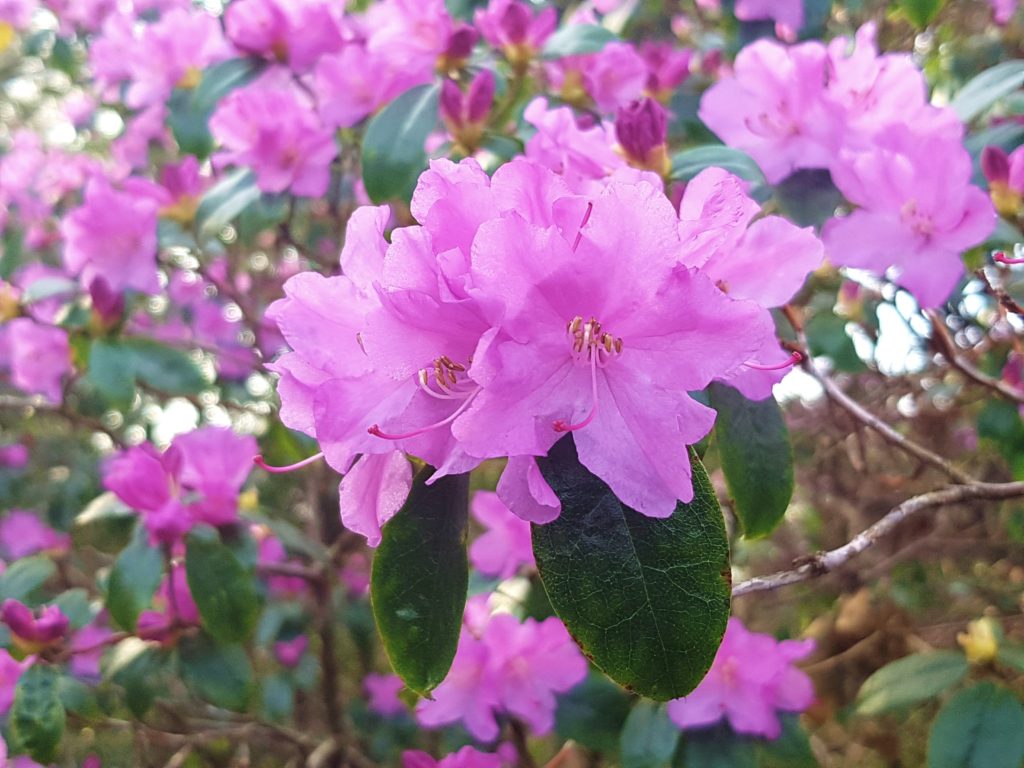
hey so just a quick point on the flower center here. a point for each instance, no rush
(591, 343)
(443, 381)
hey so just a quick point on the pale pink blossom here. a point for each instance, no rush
(505, 546)
(382, 692)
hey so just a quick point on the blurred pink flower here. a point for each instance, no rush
(38, 356)
(505, 545)
(22, 533)
(512, 27)
(788, 15)
(297, 33)
(612, 77)
(87, 647)
(290, 652)
(10, 673)
(382, 692)
(467, 757)
(31, 630)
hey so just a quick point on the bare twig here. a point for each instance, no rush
(825, 562)
(945, 346)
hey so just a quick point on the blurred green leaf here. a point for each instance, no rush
(189, 109)
(393, 147)
(106, 524)
(419, 580)
(593, 713)
(985, 89)
(224, 591)
(910, 680)
(717, 747)
(116, 366)
(690, 162)
(921, 12)
(980, 727)
(138, 667)
(74, 603)
(646, 599)
(648, 738)
(808, 197)
(1011, 655)
(791, 750)
(25, 576)
(37, 717)
(219, 674)
(757, 458)
(133, 580)
(224, 201)
(575, 39)
(827, 337)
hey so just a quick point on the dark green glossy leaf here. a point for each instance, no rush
(648, 738)
(25, 576)
(757, 458)
(393, 153)
(717, 747)
(224, 201)
(910, 680)
(134, 580)
(575, 39)
(827, 336)
(419, 580)
(593, 713)
(981, 727)
(117, 365)
(647, 600)
(224, 591)
(222, 675)
(791, 750)
(690, 162)
(106, 523)
(37, 717)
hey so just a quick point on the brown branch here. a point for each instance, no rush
(825, 562)
(946, 347)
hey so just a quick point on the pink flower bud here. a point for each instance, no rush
(461, 42)
(33, 632)
(995, 164)
(641, 128)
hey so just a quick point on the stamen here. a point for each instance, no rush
(560, 425)
(262, 464)
(376, 431)
(794, 359)
(579, 233)
(1001, 258)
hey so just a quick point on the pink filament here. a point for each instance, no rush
(794, 359)
(579, 233)
(260, 462)
(1002, 258)
(376, 431)
(560, 425)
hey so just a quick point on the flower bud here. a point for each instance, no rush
(32, 633)
(465, 114)
(10, 298)
(981, 640)
(107, 305)
(995, 164)
(642, 129)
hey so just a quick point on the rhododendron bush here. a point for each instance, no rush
(493, 383)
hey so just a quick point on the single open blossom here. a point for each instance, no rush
(467, 757)
(112, 235)
(382, 692)
(610, 78)
(10, 673)
(22, 533)
(751, 680)
(197, 480)
(271, 126)
(914, 218)
(505, 546)
(32, 631)
(510, 667)
(37, 356)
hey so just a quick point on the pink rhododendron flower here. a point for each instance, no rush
(188, 41)
(271, 552)
(505, 545)
(49, 281)
(112, 235)
(37, 356)
(788, 15)
(197, 480)
(612, 77)
(297, 33)
(271, 126)
(31, 630)
(668, 67)
(290, 652)
(174, 608)
(10, 673)
(412, 33)
(751, 680)
(1003, 10)
(87, 647)
(510, 668)
(914, 217)
(22, 533)
(383, 691)
(14, 456)
(467, 757)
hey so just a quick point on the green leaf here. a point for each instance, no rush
(224, 591)
(575, 39)
(985, 89)
(393, 153)
(133, 580)
(791, 750)
(138, 667)
(116, 365)
(106, 523)
(690, 162)
(649, 738)
(37, 717)
(827, 337)
(808, 197)
(921, 12)
(757, 458)
(910, 680)
(717, 748)
(25, 576)
(222, 675)
(74, 603)
(189, 109)
(592, 714)
(419, 580)
(981, 727)
(646, 599)
(1010, 655)
(224, 201)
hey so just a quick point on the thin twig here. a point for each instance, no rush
(825, 562)
(946, 347)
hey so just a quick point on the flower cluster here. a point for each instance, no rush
(751, 681)
(866, 118)
(518, 311)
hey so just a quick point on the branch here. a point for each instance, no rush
(825, 562)
(947, 348)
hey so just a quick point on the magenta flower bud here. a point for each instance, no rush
(30, 632)
(480, 96)
(641, 128)
(92, 761)
(107, 304)
(995, 164)
(461, 42)
(515, 23)
(290, 652)
(451, 104)
(14, 456)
